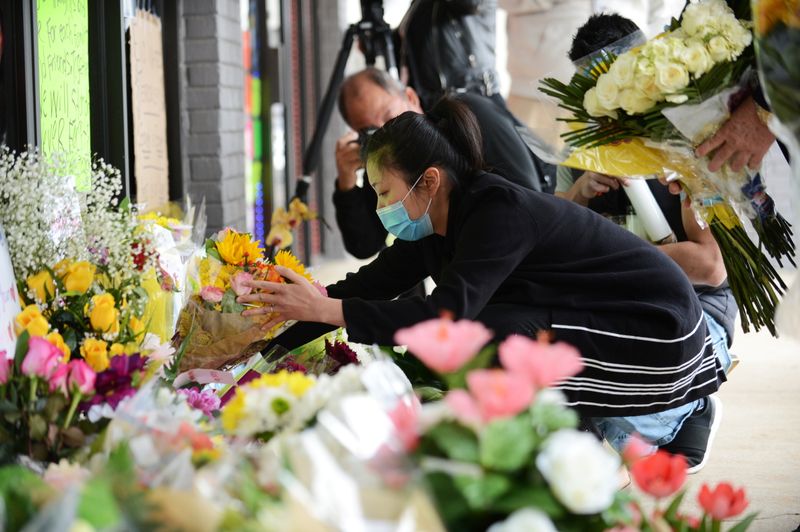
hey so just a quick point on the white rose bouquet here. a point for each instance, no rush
(639, 108)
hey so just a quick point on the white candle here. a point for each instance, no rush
(648, 211)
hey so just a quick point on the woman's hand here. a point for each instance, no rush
(590, 185)
(298, 300)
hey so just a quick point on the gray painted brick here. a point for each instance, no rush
(202, 121)
(206, 169)
(231, 142)
(228, 28)
(204, 144)
(231, 75)
(205, 75)
(231, 98)
(211, 191)
(203, 98)
(201, 26)
(202, 50)
(200, 7)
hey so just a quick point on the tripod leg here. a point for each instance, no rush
(312, 154)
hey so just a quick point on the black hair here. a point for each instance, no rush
(598, 32)
(374, 75)
(447, 136)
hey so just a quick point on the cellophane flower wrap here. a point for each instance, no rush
(640, 110)
(211, 321)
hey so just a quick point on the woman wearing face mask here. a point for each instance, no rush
(497, 253)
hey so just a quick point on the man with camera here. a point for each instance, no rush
(370, 98)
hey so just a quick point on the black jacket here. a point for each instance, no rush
(504, 152)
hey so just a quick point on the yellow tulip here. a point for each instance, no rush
(42, 286)
(95, 352)
(57, 340)
(31, 320)
(79, 277)
(103, 314)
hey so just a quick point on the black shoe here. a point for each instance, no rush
(697, 434)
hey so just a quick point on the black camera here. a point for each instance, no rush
(364, 135)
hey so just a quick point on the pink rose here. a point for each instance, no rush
(442, 344)
(499, 393)
(320, 288)
(237, 283)
(5, 366)
(405, 417)
(212, 294)
(42, 358)
(81, 377)
(541, 363)
(58, 380)
(464, 407)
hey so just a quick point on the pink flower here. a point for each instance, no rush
(723, 502)
(499, 393)
(237, 283)
(636, 449)
(58, 380)
(464, 407)
(5, 366)
(206, 401)
(212, 294)
(405, 417)
(42, 358)
(320, 288)
(81, 377)
(541, 363)
(442, 344)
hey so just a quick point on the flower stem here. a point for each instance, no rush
(73, 405)
(716, 525)
(32, 395)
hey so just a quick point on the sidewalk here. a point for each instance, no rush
(758, 443)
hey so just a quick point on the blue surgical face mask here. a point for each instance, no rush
(395, 219)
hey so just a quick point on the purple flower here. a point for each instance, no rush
(341, 354)
(205, 401)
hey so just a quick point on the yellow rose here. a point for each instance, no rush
(62, 267)
(116, 349)
(31, 320)
(635, 101)
(95, 353)
(136, 325)
(42, 286)
(103, 314)
(671, 77)
(57, 340)
(593, 107)
(607, 92)
(79, 277)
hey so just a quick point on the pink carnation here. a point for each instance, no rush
(543, 364)
(205, 401)
(442, 344)
(499, 393)
(212, 294)
(5, 366)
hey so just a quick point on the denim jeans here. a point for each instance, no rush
(660, 428)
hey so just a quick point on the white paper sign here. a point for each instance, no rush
(9, 300)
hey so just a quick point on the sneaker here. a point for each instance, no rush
(696, 436)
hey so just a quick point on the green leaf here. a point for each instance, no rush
(451, 504)
(744, 524)
(526, 496)
(211, 249)
(125, 204)
(550, 417)
(481, 492)
(672, 509)
(456, 441)
(38, 428)
(507, 444)
(97, 505)
(229, 304)
(458, 379)
(22, 349)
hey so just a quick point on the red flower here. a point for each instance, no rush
(723, 502)
(660, 474)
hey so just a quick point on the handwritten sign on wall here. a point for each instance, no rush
(63, 48)
(149, 111)
(9, 300)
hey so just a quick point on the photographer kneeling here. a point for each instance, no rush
(369, 99)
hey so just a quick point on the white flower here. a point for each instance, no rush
(719, 48)
(607, 92)
(593, 106)
(671, 77)
(696, 20)
(525, 520)
(633, 101)
(696, 57)
(622, 70)
(65, 474)
(677, 98)
(581, 473)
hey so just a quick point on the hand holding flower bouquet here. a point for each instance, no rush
(211, 320)
(641, 112)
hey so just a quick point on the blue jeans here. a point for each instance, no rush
(660, 428)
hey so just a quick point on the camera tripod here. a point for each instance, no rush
(375, 37)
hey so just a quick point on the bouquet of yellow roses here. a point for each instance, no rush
(210, 322)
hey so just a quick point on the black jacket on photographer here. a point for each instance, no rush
(505, 154)
(448, 46)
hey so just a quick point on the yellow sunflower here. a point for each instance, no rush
(238, 248)
(289, 261)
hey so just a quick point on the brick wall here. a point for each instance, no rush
(212, 113)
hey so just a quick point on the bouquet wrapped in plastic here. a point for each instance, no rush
(639, 108)
(211, 323)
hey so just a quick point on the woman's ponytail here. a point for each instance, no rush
(459, 125)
